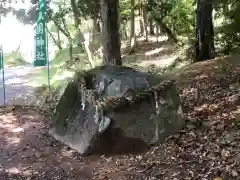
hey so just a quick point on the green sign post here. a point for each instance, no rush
(3, 78)
(1, 58)
(41, 58)
(41, 45)
(41, 40)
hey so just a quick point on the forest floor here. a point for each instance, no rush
(159, 52)
(207, 148)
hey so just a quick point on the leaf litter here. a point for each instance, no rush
(207, 148)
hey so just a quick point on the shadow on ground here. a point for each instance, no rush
(28, 151)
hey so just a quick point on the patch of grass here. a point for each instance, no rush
(58, 80)
(178, 63)
(57, 76)
(14, 59)
(63, 55)
(59, 70)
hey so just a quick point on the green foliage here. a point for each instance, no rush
(178, 15)
(13, 59)
(181, 17)
(227, 34)
(63, 55)
(88, 8)
(125, 15)
(125, 11)
(29, 16)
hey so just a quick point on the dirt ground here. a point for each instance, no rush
(208, 148)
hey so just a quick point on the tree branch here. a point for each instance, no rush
(61, 29)
(56, 42)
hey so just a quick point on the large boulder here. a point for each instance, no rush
(112, 107)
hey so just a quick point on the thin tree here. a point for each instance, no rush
(150, 7)
(132, 35)
(145, 19)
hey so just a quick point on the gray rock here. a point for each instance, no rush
(127, 118)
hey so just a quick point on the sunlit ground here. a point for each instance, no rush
(158, 51)
(25, 144)
(19, 85)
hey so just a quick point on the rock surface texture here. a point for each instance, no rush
(112, 109)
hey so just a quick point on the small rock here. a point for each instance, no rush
(131, 159)
(193, 119)
(225, 153)
(176, 136)
(10, 108)
(237, 124)
(152, 178)
(207, 124)
(229, 138)
(139, 157)
(37, 154)
(234, 173)
(190, 126)
(130, 168)
(109, 159)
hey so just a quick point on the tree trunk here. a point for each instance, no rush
(110, 32)
(145, 20)
(95, 41)
(151, 27)
(157, 32)
(204, 31)
(98, 28)
(59, 38)
(70, 52)
(151, 30)
(140, 15)
(59, 42)
(125, 33)
(133, 35)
